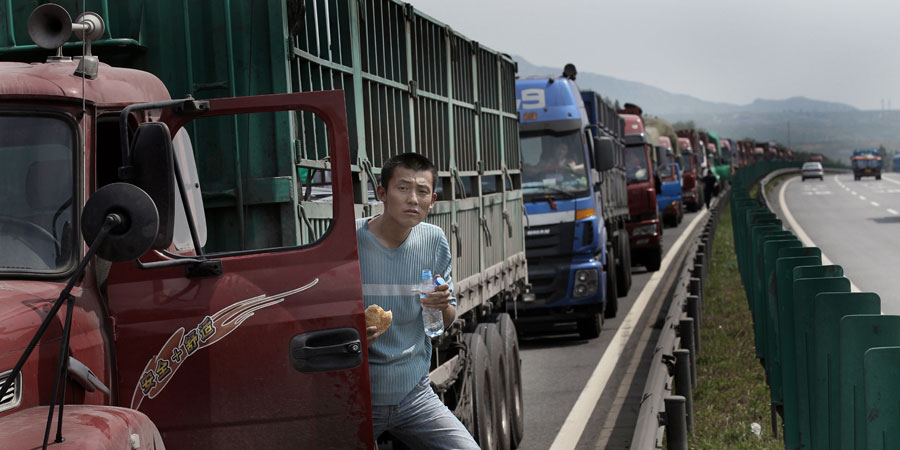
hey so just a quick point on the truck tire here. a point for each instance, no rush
(490, 332)
(623, 267)
(479, 362)
(611, 305)
(654, 260)
(878, 177)
(514, 399)
(589, 328)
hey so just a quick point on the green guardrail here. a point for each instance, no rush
(831, 359)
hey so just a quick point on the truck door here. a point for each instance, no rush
(270, 352)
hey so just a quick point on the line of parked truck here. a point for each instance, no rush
(546, 193)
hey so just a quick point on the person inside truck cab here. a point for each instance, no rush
(394, 248)
(636, 164)
(558, 160)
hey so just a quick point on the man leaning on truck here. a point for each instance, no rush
(394, 248)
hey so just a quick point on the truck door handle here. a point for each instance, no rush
(325, 350)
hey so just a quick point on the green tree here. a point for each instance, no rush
(678, 126)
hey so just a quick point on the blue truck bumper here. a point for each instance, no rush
(554, 288)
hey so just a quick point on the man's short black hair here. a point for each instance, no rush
(411, 161)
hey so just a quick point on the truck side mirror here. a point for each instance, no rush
(137, 231)
(152, 158)
(604, 157)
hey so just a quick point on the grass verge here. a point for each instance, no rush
(731, 391)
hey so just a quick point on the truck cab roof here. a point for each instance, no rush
(542, 100)
(113, 85)
(634, 129)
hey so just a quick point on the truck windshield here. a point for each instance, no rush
(636, 164)
(687, 162)
(36, 194)
(554, 164)
(667, 174)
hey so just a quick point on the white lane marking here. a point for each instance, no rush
(885, 177)
(892, 211)
(799, 231)
(862, 198)
(874, 204)
(568, 436)
(853, 192)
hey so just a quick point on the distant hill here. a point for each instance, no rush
(833, 129)
(661, 103)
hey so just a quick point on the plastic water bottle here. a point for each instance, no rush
(433, 318)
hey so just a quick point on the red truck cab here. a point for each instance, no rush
(179, 349)
(644, 225)
(693, 195)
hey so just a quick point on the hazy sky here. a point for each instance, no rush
(719, 50)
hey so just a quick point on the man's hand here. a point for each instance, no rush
(437, 299)
(440, 299)
(371, 335)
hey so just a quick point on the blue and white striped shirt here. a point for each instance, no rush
(402, 355)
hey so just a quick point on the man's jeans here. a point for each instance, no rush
(421, 421)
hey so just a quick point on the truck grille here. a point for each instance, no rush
(13, 396)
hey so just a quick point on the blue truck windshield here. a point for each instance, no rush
(36, 193)
(636, 164)
(554, 164)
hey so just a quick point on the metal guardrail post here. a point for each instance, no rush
(692, 307)
(698, 273)
(695, 288)
(676, 426)
(686, 333)
(683, 384)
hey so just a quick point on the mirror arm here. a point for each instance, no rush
(182, 105)
(111, 221)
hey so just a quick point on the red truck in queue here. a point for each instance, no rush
(693, 195)
(136, 321)
(644, 225)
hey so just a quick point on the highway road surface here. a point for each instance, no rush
(586, 394)
(855, 223)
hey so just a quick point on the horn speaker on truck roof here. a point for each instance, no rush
(50, 26)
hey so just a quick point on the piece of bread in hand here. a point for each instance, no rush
(378, 318)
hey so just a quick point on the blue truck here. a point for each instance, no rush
(573, 184)
(669, 197)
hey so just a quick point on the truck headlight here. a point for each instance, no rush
(644, 230)
(586, 283)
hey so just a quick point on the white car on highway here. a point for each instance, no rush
(812, 170)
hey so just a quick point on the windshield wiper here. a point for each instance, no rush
(549, 190)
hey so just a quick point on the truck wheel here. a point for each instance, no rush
(479, 362)
(514, 399)
(654, 260)
(680, 213)
(623, 268)
(877, 177)
(610, 306)
(491, 334)
(589, 328)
